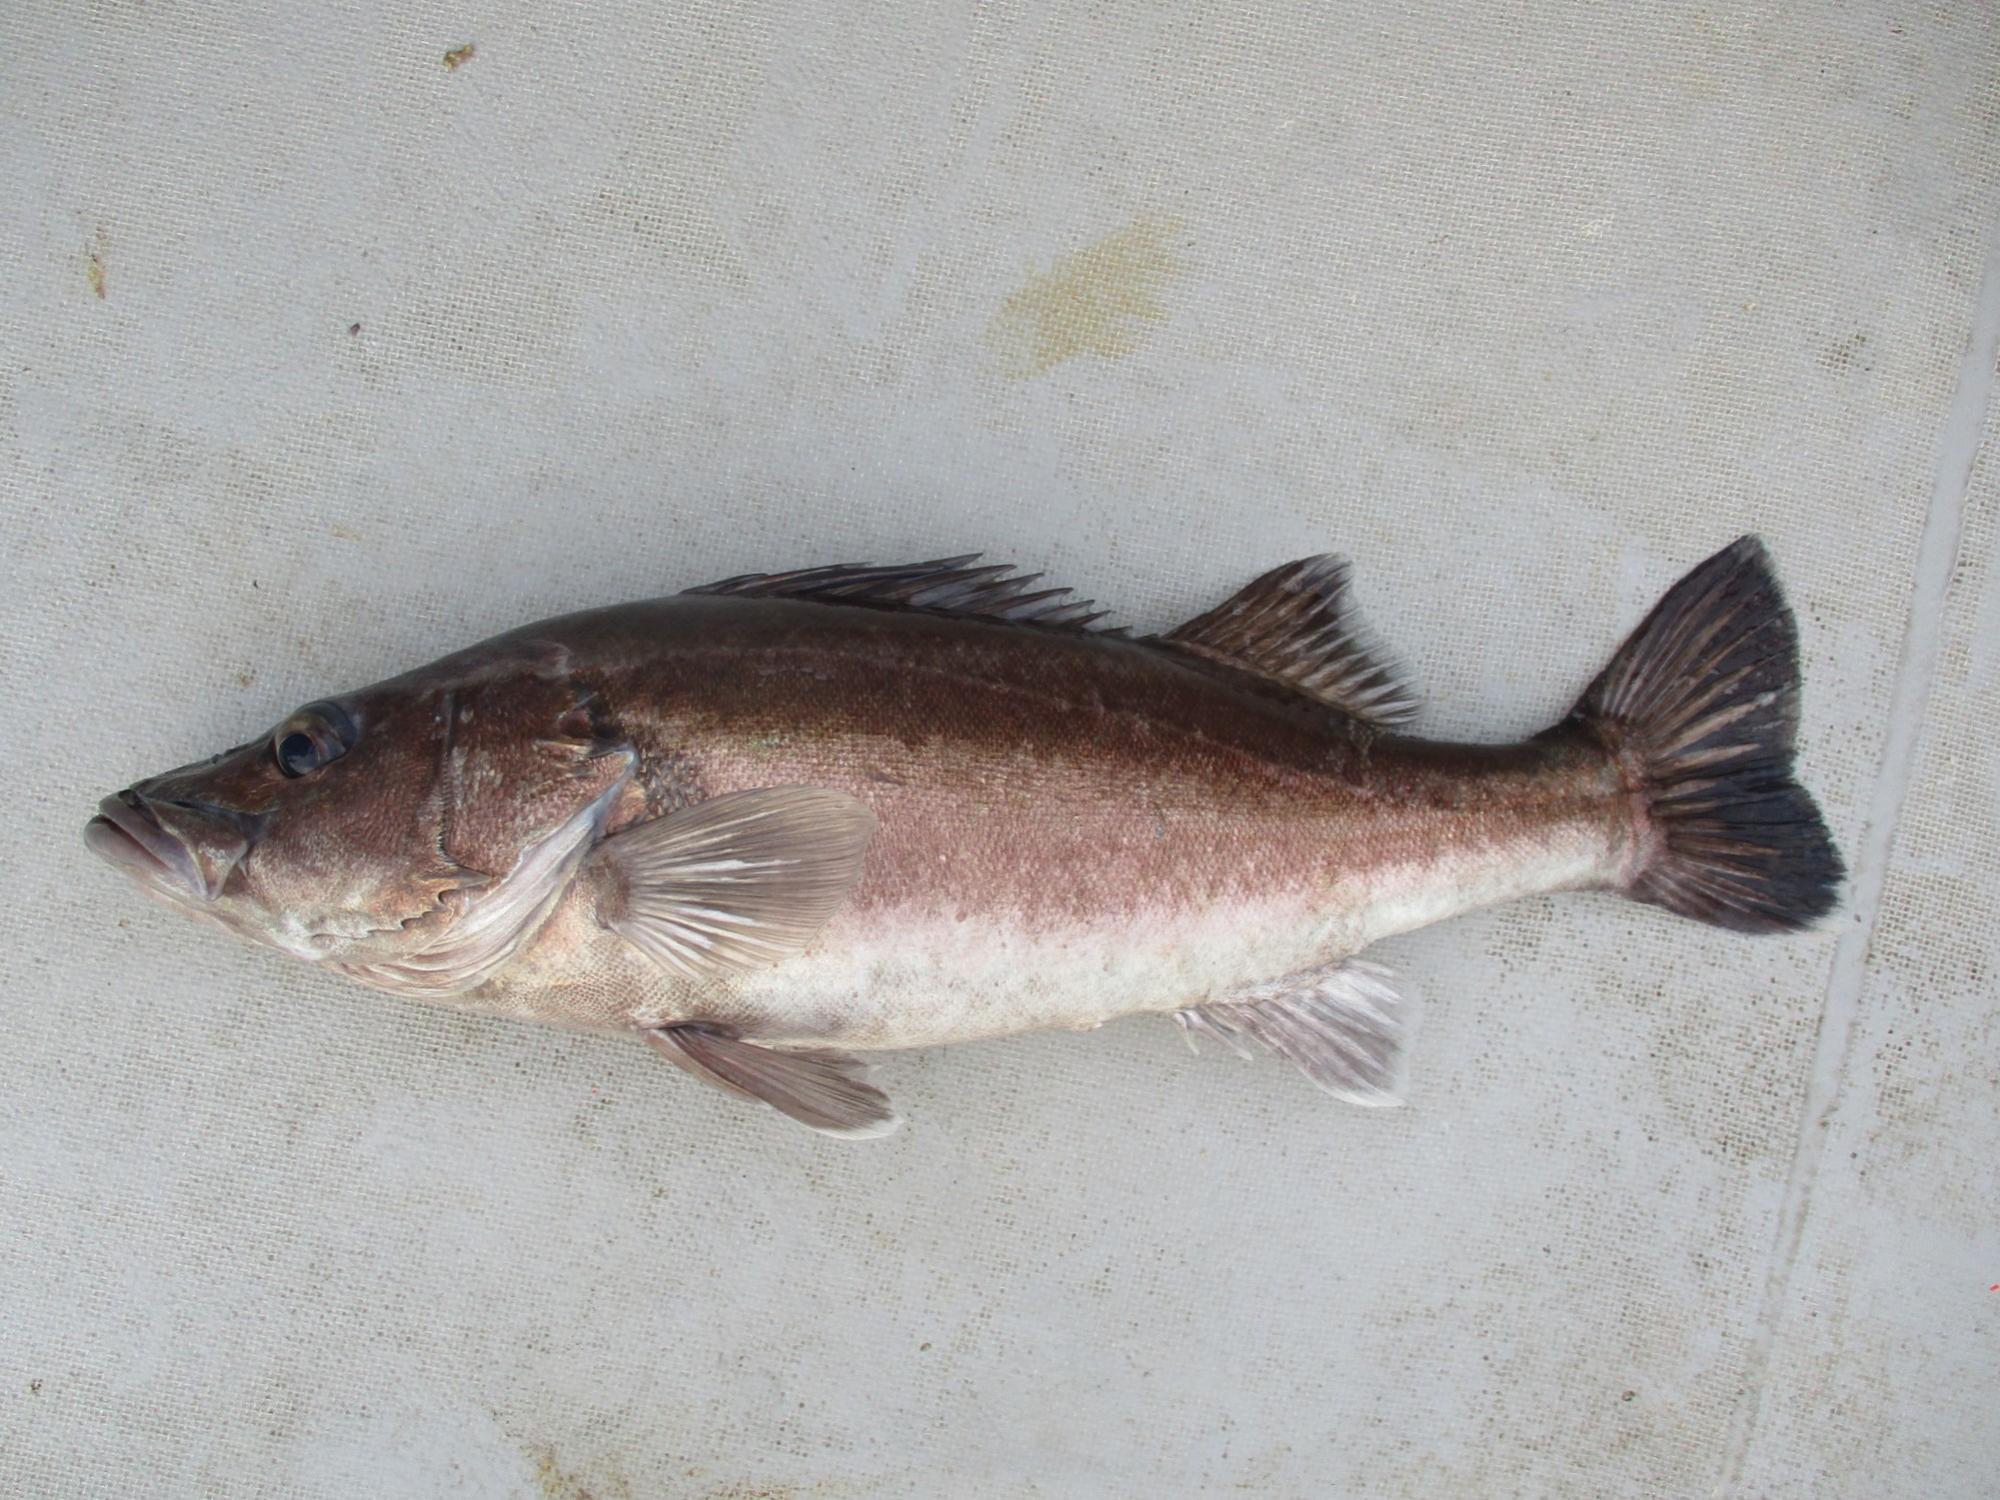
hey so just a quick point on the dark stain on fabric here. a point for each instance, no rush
(1847, 353)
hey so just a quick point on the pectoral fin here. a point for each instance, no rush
(821, 1088)
(1344, 1027)
(737, 882)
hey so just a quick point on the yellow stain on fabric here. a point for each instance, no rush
(1103, 299)
(556, 1484)
(95, 254)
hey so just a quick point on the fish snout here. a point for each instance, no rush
(180, 847)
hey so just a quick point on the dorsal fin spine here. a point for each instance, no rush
(960, 586)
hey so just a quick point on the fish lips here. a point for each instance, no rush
(179, 849)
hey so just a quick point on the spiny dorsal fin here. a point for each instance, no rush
(1297, 626)
(945, 585)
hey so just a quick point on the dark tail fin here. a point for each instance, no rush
(1700, 706)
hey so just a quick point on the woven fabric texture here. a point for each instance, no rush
(336, 336)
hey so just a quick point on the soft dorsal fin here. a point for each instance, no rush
(1297, 626)
(945, 585)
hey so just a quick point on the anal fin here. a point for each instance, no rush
(1344, 1026)
(818, 1087)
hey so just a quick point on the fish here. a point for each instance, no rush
(775, 825)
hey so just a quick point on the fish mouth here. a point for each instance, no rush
(126, 833)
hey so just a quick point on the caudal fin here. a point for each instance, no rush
(1701, 706)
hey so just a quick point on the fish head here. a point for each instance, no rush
(318, 837)
(368, 830)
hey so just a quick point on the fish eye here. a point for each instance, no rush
(310, 738)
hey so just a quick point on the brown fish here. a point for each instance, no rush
(786, 818)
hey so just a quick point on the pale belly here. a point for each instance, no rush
(921, 977)
(894, 975)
